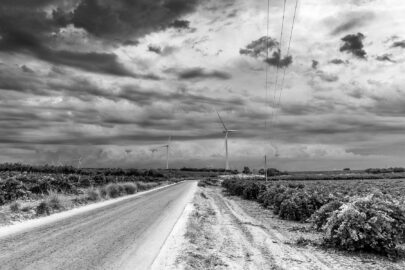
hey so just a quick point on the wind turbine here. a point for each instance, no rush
(167, 146)
(226, 131)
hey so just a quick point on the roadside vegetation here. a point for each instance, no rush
(27, 192)
(352, 215)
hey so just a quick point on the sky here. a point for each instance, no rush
(107, 81)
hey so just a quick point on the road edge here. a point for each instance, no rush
(34, 223)
(166, 258)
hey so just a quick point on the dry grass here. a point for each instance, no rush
(93, 195)
(15, 207)
(200, 254)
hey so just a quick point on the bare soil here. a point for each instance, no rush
(226, 232)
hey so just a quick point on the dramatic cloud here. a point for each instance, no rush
(180, 24)
(399, 44)
(154, 48)
(354, 20)
(200, 73)
(122, 18)
(26, 69)
(110, 79)
(315, 64)
(354, 44)
(337, 61)
(258, 48)
(385, 57)
(276, 61)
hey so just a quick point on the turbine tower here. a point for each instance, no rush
(167, 146)
(226, 131)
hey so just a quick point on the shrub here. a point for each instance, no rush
(11, 190)
(146, 186)
(15, 207)
(103, 192)
(55, 202)
(301, 205)
(251, 190)
(320, 217)
(93, 195)
(130, 188)
(43, 208)
(26, 208)
(267, 197)
(62, 185)
(208, 182)
(85, 182)
(42, 186)
(375, 223)
(201, 183)
(113, 190)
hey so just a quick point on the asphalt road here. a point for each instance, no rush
(124, 235)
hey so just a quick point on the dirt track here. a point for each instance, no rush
(231, 233)
(125, 235)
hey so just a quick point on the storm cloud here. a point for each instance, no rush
(276, 61)
(122, 18)
(354, 44)
(399, 44)
(198, 73)
(258, 48)
(180, 24)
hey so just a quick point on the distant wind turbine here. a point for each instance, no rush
(167, 146)
(226, 131)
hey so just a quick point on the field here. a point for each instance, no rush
(353, 215)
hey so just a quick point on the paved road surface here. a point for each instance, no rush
(124, 235)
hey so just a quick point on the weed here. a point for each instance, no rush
(43, 208)
(55, 202)
(303, 242)
(130, 188)
(113, 190)
(15, 206)
(93, 195)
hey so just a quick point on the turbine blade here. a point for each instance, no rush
(223, 124)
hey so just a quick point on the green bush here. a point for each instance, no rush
(374, 223)
(267, 197)
(54, 202)
(320, 217)
(251, 190)
(300, 205)
(129, 188)
(93, 195)
(43, 208)
(85, 182)
(113, 190)
(103, 192)
(15, 207)
(11, 190)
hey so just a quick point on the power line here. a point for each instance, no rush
(267, 56)
(266, 84)
(279, 51)
(288, 53)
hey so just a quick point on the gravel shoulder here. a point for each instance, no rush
(226, 232)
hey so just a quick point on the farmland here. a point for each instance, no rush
(352, 215)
